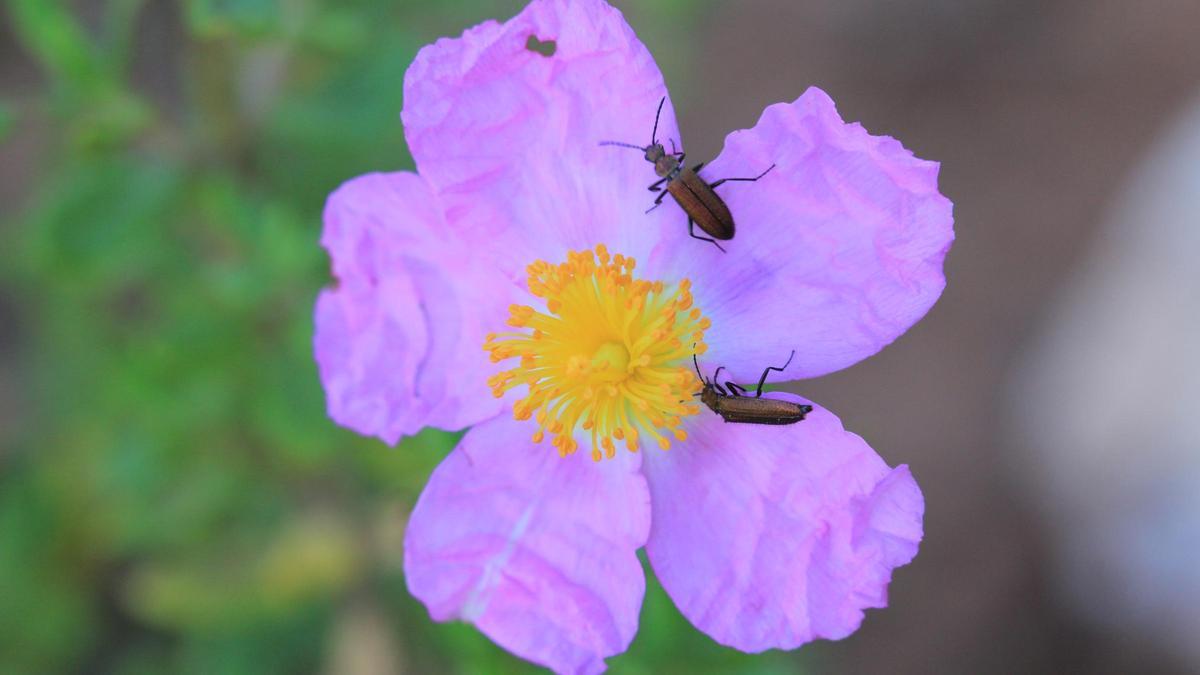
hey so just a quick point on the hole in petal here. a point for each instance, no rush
(546, 48)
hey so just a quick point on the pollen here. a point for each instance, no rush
(609, 356)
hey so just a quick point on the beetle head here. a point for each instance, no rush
(655, 152)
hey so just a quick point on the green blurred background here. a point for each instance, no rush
(173, 497)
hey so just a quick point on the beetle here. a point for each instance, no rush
(734, 406)
(697, 198)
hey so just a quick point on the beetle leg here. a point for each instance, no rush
(699, 166)
(661, 196)
(692, 233)
(748, 180)
(654, 186)
(737, 389)
(762, 380)
(658, 201)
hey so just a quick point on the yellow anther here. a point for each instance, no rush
(605, 357)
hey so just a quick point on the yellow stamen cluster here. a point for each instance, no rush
(611, 355)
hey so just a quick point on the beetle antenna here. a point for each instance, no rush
(697, 366)
(654, 134)
(623, 145)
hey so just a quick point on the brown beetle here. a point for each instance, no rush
(734, 406)
(694, 195)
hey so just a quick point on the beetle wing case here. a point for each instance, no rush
(746, 410)
(702, 204)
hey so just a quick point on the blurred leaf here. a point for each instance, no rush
(336, 29)
(211, 19)
(57, 41)
(109, 120)
(314, 557)
(44, 612)
(288, 644)
(102, 222)
(120, 23)
(349, 123)
(308, 562)
(87, 74)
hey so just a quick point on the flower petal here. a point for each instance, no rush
(399, 341)
(536, 550)
(510, 138)
(769, 537)
(838, 249)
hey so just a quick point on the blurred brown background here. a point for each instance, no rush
(1038, 112)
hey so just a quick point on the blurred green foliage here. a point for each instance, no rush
(176, 500)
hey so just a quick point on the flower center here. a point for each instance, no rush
(610, 355)
(611, 361)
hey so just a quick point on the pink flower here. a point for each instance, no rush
(504, 249)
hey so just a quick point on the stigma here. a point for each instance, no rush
(608, 357)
